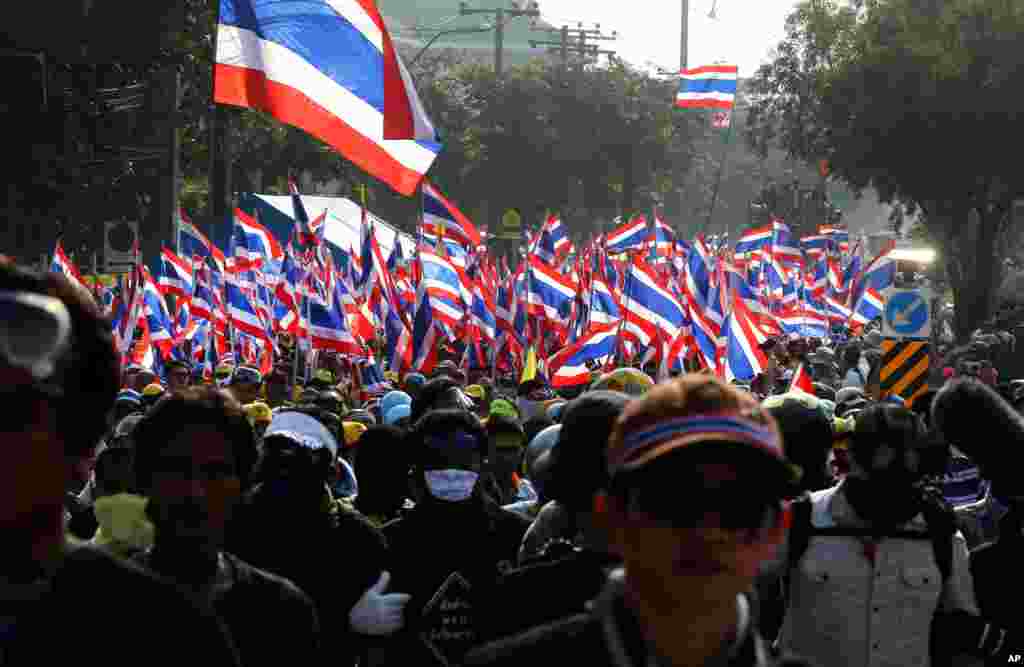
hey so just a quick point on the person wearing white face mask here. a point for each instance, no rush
(448, 552)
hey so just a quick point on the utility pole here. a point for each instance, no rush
(564, 46)
(499, 26)
(684, 35)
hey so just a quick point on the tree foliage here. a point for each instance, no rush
(917, 99)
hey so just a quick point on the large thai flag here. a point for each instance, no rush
(711, 87)
(596, 347)
(752, 243)
(629, 236)
(328, 67)
(175, 275)
(440, 213)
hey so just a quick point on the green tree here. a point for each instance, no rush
(918, 99)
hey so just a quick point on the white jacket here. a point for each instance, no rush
(844, 610)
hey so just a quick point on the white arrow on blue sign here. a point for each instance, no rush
(907, 314)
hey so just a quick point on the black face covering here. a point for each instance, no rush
(886, 499)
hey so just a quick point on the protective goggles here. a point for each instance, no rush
(35, 333)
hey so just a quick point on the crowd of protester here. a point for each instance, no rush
(462, 519)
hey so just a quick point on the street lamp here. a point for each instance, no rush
(455, 31)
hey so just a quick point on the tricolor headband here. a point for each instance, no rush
(652, 441)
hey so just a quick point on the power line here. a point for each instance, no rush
(501, 17)
(575, 41)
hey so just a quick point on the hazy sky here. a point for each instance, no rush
(742, 34)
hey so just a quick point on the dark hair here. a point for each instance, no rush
(428, 394)
(91, 372)
(382, 470)
(807, 435)
(180, 411)
(444, 421)
(885, 424)
(105, 462)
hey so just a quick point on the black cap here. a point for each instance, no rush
(577, 464)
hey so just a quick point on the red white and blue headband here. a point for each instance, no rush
(658, 438)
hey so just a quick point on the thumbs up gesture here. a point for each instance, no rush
(378, 613)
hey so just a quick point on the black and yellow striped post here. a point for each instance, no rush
(904, 370)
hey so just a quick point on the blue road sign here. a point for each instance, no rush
(907, 313)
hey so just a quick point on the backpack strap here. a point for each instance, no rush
(942, 526)
(799, 530)
(938, 515)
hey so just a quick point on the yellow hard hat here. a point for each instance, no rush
(154, 389)
(352, 432)
(476, 391)
(391, 377)
(258, 412)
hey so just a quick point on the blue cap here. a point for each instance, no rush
(393, 398)
(129, 396)
(401, 411)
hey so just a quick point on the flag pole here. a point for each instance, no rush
(718, 178)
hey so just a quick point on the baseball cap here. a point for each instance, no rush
(352, 431)
(699, 412)
(129, 396)
(152, 390)
(501, 406)
(246, 375)
(259, 412)
(576, 463)
(397, 413)
(303, 430)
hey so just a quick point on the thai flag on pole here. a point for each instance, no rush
(710, 87)
(815, 247)
(550, 293)
(783, 249)
(879, 275)
(571, 366)
(328, 67)
(662, 240)
(62, 264)
(838, 235)
(255, 245)
(193, 243)
(554, 241)
(838, 313)
(751, 245)
(869, 306)
(744, 358)
(328, 327)
(158, 317)
(175, 275)
(651, 310)
(697, 287)
(630, 236)
(802, 381)
(243, 314)
(440, 214)
(306, 233)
